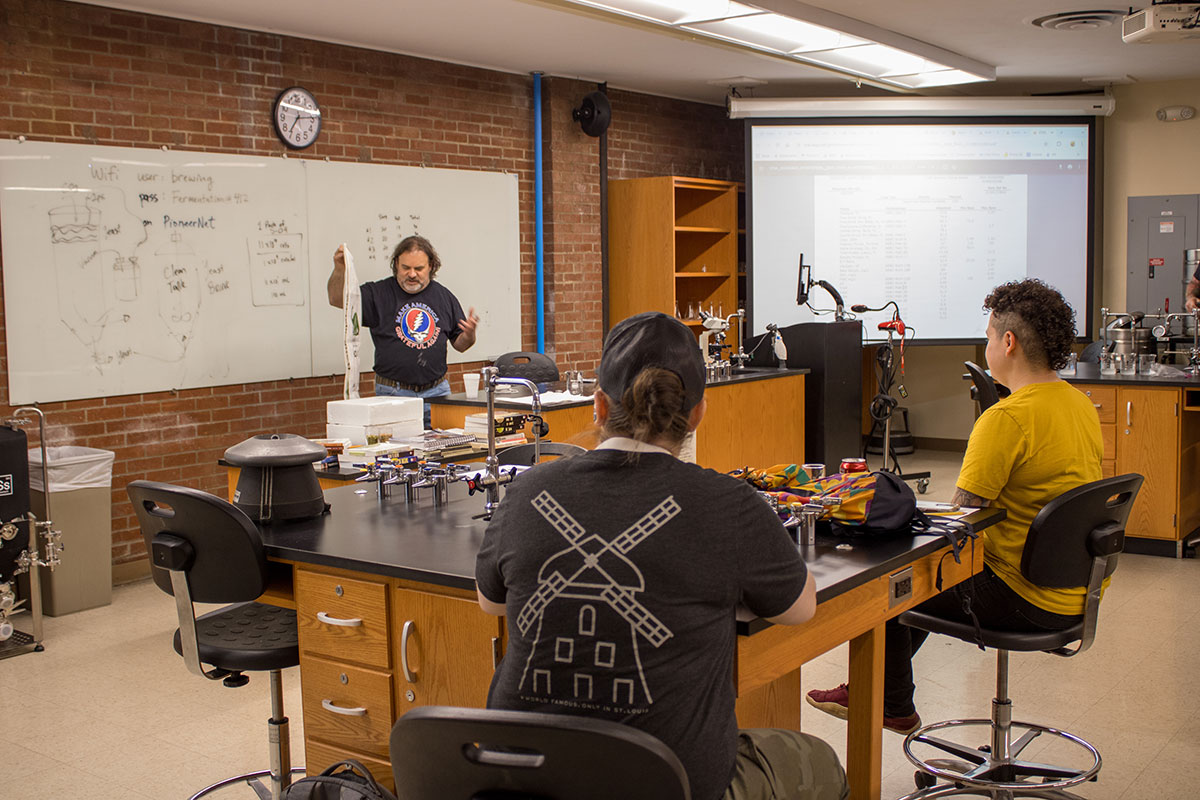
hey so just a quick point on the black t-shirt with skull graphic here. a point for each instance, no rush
(621, 580)
(410, 331)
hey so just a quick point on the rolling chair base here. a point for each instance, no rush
(977, 772)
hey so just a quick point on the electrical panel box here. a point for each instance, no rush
(1160, 229)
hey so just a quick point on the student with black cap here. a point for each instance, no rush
(621, 569)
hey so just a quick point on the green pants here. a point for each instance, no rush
(775, 764)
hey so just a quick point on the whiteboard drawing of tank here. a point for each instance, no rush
(101, 292)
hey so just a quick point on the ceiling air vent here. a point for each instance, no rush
(1079, 20)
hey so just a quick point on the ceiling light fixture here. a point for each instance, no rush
(808, 35)
(1097, 106)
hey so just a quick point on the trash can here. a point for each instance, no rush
(81, 507)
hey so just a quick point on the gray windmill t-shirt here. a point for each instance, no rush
(621, 580)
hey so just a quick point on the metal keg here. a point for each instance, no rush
(1134, 341)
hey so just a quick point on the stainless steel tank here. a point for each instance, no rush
(1132, 340)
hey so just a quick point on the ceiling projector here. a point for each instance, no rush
(1162, 24)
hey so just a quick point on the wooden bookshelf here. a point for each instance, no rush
(673, 246)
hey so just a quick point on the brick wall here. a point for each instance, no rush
(78, 73)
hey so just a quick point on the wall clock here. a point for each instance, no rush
(296, 117)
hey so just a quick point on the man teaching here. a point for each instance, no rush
(411, 317)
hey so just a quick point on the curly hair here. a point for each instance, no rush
(414, 243)
(1042, 321)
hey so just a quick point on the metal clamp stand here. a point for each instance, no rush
(887, 367)
(30, 560)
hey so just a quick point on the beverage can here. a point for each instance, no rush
(853, 465)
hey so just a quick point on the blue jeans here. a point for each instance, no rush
(441, 390)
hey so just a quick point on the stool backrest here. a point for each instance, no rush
(536, 367)
(228, 565)
(985, 388)
(1078, 526)
(445, 753)
(522, 454)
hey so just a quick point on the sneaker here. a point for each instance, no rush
(831, 701)
(837, 702)
(902, 725)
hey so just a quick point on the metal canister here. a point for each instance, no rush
(853, 465)
(1134, 341)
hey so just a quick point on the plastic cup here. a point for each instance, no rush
(471, 384)
(1127, 363)
(1072, 365)
(1146, 364)
(1108, 364)
(815, 471)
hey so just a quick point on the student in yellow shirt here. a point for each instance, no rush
(1027, 449)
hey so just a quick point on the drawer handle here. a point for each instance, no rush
(1129, 413)
(405, 632)
(345, 623)
(328, 705)
(1097, 405)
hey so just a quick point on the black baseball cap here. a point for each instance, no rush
(651, 339)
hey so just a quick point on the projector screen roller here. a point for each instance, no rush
(930, 214)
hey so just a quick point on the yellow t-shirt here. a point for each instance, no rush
(1024, 451)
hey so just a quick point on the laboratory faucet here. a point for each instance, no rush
(492, 481)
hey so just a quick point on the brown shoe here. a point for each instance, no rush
(836, 701)
(902, 725)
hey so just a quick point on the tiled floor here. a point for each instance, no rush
(108, 711)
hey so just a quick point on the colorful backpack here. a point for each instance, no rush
(877, 503)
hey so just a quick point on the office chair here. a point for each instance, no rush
(522, 454)
(444, 753)
(985, 390)
(1091, 353)
(1073, 541)
(536, 367)
(205, 550)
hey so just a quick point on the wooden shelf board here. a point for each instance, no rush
(701, 274)
(702, 185)
(700, 229)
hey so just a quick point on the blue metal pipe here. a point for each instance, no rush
(538, 243)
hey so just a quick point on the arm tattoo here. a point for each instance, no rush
(964, 498)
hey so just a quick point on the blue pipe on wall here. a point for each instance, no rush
(538, 245)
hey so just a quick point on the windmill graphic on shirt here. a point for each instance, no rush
(577, 586)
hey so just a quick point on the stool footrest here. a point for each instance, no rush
(988, 771)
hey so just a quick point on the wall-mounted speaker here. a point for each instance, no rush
(594, 113)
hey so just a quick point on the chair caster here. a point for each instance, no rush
(924, 780)
(922, 485)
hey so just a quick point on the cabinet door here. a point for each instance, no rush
(446, 656)
(1148, 443)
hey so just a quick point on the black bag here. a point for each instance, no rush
(891, 509)
(345, 780)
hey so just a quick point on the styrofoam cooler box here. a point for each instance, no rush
(358, 434)
(374, 410)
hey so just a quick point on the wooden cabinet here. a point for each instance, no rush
(371, 648)
(1147, 442)
(1151, 431)
(673, 247)
(449, 651)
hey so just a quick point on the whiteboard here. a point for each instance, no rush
(131, 270)
(471, 219)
